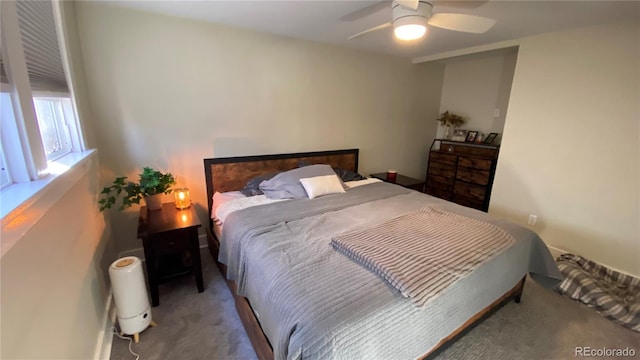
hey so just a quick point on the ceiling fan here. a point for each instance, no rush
(411, 17)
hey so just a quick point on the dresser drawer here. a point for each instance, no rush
(469, 202)
(440, 181)
(480, 177)
(476, 163)
(443, 158)
(440, 169)
(441, 166)
(171, 243)
(470, 191)
(463, 149)
(439, 192)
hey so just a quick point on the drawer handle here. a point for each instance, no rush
(171, 243)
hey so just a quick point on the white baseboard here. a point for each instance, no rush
(105, 337)
(137, 252)
(555, 252)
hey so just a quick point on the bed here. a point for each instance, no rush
(299, 297)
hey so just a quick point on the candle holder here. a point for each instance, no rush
(183, 200)
(391, 175)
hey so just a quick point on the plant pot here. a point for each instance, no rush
(154, 202)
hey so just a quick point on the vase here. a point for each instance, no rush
(154, 202)
(445, 133)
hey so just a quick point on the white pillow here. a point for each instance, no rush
(322, 185)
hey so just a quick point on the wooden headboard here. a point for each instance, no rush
(232, 173)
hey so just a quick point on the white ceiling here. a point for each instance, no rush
(321, 20)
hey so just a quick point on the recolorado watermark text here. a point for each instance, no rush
(586, 351)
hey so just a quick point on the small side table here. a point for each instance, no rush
(169, 231)
(405, 181)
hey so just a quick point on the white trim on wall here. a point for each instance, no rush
(33, 199)
(556, 252)
(105, 337)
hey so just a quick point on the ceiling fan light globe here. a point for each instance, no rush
(410, 31)
(410, 24)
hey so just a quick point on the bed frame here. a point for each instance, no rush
(232, 173)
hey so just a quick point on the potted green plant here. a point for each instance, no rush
(447, 120)
(151, 185)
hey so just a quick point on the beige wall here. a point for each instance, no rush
(168, 92)
(476, 85)
(571, 150)
(54, 279)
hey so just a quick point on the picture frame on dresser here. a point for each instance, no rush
(490, 138)
(459, 135)
(471, 136)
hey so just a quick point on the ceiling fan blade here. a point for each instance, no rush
(462, 22)
(379, 27)
(409, 4)
(366, 11)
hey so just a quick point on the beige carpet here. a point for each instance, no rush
(545, 325)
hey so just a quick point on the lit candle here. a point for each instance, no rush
(183, 200)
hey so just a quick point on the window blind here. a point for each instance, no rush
(40, 43)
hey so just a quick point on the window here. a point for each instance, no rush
(5, 178)
(39, 123)
(53, 126)
(40, 133)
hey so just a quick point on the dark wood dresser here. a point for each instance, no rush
(462, 172)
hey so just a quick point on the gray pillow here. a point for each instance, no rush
(348, 175)
(251, 188)
(344, 175)
(287, 185)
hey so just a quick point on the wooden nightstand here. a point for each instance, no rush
(167, 233)
(405, 181)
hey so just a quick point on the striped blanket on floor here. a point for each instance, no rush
(614, 295)
(423, 252)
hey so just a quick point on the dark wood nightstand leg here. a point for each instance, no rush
(151, 275)
(197, 265)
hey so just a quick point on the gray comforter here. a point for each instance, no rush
(313, 302)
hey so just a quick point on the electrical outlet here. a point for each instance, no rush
(532, 219)
(496, 112)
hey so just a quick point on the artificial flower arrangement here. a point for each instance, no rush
(450, 119)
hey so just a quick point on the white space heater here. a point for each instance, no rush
(130, 295)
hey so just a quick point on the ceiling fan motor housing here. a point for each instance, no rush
(407, 16)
